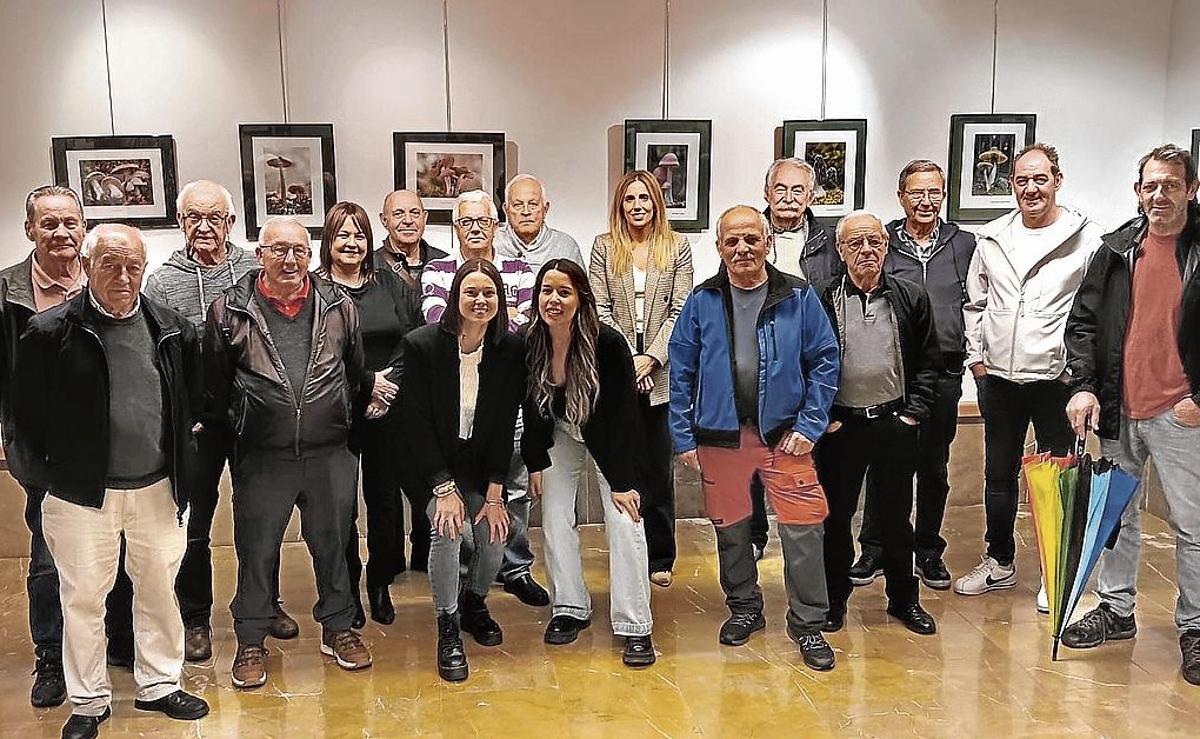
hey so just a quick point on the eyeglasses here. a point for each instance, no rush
(302, 253)
(469, 224)
(875, 243)
(917, 196)
(213, 219)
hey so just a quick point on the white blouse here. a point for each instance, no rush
(639, 299)
(468, 390)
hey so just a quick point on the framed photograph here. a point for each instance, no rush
(126, 179)
(440, 166)
(679, 155)
(982, 149)
(287, 170)
(837, 150)
(1196, 145)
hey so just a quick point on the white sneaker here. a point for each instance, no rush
(989, 575)
(1043, 600)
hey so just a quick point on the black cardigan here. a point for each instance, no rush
(429, 406)
(611, 430)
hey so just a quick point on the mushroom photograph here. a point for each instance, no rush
(669, 167)
(828, 160)
(993, 157)
(441, 175)
(288, 182)
(116, 182)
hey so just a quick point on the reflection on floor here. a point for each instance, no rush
(987, 673)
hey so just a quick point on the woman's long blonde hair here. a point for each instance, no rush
(662, 236)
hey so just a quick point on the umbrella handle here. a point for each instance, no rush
(1077, 447)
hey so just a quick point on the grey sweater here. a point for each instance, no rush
(549, 244)
(190, 287)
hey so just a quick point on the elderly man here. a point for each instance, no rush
(405, 249)
(49, 276)
(1022, 279)
(924, 249)
(890, 368)
(526, 235)
(754, 367)
(1133, 345)
(189, 281)
(104, 411)
(476, 225)
(283, 365)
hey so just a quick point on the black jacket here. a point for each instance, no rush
(429, 252)
(429, 407)
(920, 357)
(61, 397)
(17, 306)
(610, 433)
(944, 277)
(1095, 334)
(246, 386)
(820, 261)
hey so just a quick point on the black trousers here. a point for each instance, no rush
(886, 447)
(194, 584)
(265, 490)
(759, 526)
(934, 437)
(658, 495)
(1007, 409)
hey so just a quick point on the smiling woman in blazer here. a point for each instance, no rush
(641, 275)
(461, 383)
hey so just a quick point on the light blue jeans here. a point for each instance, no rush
(481, 560)
(628, 559)
(1175, 450)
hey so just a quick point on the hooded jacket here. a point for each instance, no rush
(1015, 317)
(1095, 332)
(190, 287)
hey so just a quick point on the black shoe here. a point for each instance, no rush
(835, 619)
(382, 610)
(178, 705)
(451, 660)
(1189, 647)
(528, 591)
(283, 626)
(197, 643)
(934, 574)
(639, 651)
(1097, 626)
(565, 629)
(818, 655)
(738, 627)
(865, 570)
(360, 617)
(48, 689)
(84, 727)
(914, 618)
(120, 656)
(476, 621)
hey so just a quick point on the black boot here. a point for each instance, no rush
(380, 599)
(476, 620)
(452, 660)
(48, 689)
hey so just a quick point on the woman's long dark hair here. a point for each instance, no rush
(334, 220)
(451, 320)
(583, 380)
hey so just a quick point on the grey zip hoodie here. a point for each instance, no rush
(190, 287)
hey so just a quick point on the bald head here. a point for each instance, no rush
(743, 214)
(743, 240)
(114, 257)
(862, 243)
(404, 217)
(282, 228)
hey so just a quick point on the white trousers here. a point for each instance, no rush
(86, 544)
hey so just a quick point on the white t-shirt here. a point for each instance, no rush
(468, 390)
(1029, 245)
(639, 298)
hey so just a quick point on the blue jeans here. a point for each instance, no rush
(481, 558)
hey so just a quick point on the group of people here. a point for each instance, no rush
(814, 361)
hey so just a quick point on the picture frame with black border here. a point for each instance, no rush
(440, 165)
(837, 150)
(1196, 146)
(120, 179)
(679, 155)
(288, 169)
(983, 147)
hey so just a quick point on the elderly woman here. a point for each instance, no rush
(582, 401)
(461, 384)
(387, 309)
(641, 274)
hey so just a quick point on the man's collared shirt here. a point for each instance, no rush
(921, 251)
(49, 292)
(289, 307)
(137, 306)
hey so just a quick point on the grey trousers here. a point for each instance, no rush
(1174, 450)
(803, 575)
(470, 563)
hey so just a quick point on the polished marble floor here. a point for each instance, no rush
(988, 672)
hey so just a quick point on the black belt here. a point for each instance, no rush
(841, 412)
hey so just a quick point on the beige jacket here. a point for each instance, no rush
(666, 293)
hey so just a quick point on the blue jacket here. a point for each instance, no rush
(798, 364)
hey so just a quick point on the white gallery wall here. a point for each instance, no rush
(1107, 78)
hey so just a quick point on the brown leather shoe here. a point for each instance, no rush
(347, 648)
(283, 626)
(250, 666)
(197, 643)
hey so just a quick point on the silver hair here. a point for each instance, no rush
(475, 196)
(282, 220)
(763, 224)
(524, 178)
(786, 161)
(93, 238)
(183, 193)
(46, 191)
(858, 214)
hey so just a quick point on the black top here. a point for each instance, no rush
(429, 406)
(387, 310)
(610, 433)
